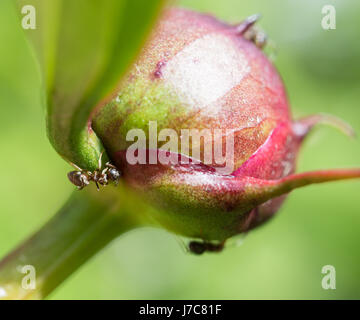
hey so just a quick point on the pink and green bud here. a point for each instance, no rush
(197, 73)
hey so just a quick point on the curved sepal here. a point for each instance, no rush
(303, 126)
(198, 202)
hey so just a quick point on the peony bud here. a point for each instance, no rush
(198, 73)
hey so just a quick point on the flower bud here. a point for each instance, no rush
(200, 75)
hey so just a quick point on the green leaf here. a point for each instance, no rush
(84, 48)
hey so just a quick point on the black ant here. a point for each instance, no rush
(82, 178)
(199, 248)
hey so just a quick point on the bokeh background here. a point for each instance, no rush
(318, 225)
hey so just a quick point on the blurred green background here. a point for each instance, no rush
(318, 225)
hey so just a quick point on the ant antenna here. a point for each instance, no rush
(75, 166)
(100, 160)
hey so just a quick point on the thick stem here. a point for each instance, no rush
(81, 228)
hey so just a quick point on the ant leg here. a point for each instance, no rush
(77, 168)
(100, 160)
(97, 186)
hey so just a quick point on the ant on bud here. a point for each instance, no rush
(198, 248)
(82, 178)
(251, 32)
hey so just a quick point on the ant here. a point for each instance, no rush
(82, 178)
(251, 32)
(199, 248)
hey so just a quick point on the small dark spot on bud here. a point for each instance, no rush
(159, 66)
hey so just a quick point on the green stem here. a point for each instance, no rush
(82, 227)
